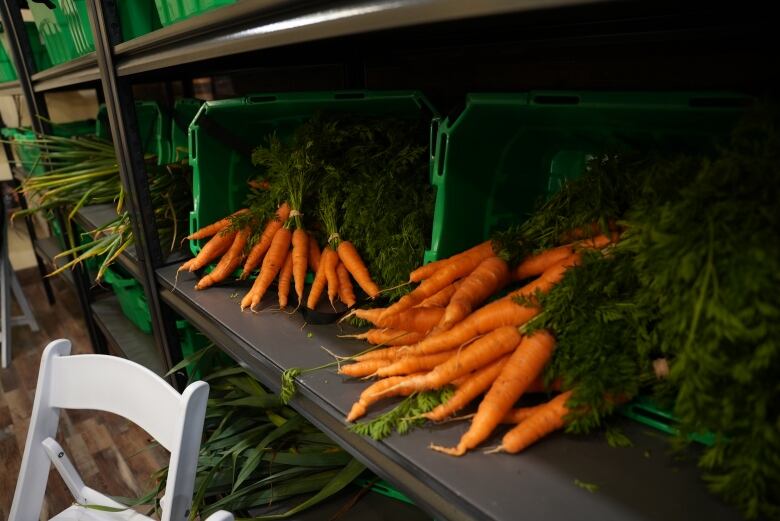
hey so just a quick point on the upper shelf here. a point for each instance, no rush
(73, 73)
(638, 483)
(10, 88)
(263, 24)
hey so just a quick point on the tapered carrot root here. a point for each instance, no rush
(420, 320)
(546, 419)
(390, 337)
(515, 416)
(228, 263)
(427, 270)
(357, 268)
(541, 262)
(478, 354)
(214, 228)
(264, 242)
(487, 278)
(331, 263)
(300, 260)
(366, 368)
(285, 278)
(272, 264)
(314, 254)
(442, 298)
(415, 364)
(472, 386)
(372, 395)
(217, 245)
(388, 353)
(346, 291)
(320, 280)
(521, 370)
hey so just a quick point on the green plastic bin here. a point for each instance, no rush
(67, 33)
(7, 69)
(504, 152)
(172, 11)
(154, 127)
(131, 297)
(224, 133)
(184, 111)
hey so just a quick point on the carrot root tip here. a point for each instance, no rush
(451, 451)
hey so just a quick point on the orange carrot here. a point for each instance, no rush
(539, 263)
(361, 369)
(216, 246)
(212, 229)
(442, 298)
(584, 232)
(300, 260)
(479, 353)
(371, 395)
(346, 291)
(520, 371)
(228, 263)
(320, 280)
(546, 419)
(272, 263)
(331, 261)
(314, 254)
(425, 271)
(455, 269)
(598, 242)
(414, 364)
(284, 281)
(389, 337)
(264, 242)
(515, 416)
(387, 353)
(472, 386)
(357, 268)
(420, 320)
(487, 278)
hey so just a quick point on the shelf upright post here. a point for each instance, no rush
(22, 56)
(120, 106)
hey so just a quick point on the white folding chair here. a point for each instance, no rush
(119, 386)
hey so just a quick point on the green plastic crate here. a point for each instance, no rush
(172, 11)
(7, 69)
(67, 33)
(504, 152)
(154, 127)
(224, 133)
(184, 111)
(29, 153)
(131, 297)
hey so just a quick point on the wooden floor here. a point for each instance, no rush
(107, 450)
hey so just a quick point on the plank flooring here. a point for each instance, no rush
(111, 454)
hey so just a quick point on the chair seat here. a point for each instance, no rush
(77, 513)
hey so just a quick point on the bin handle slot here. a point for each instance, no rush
(441, 153)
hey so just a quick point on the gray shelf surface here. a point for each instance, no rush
(131, 342)
(49, 247)
(264, 24)
(639, 483)
(10, 88)
(83, 69)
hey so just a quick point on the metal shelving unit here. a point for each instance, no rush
(488, 45)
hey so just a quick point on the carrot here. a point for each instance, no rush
(314, 254)
(228, 263)
(479, 353)
(490, 276)
(415, 364)
(538, 386)
(442, 298)
(264, 242)
(472, 386)
(214, 228)
(371, 395)
(420, 320)
(389, 337)
(331, 261)
(361, 369)
(319, 280)
(216, 246)
(346, 291)
(272, 263)
(425, 271)
(520, 414)
(284, 281)
(546, 419)
(300, 260)
(357, 268)
(186, 265)
(520, 371)
(598, 242)
(387, 353)
(499, 313)
(457, 268)
(539, 263)
(591, 230)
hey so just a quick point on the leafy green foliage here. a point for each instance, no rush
(405, 416)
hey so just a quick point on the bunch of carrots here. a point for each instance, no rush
(438, 336)
(284, 251)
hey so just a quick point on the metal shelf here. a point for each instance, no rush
(264, 24)
(638, 483)
(82, 70)
(124, 337)
(10, 88)
(92, 217)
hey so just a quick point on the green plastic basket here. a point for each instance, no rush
(224, 133)
(41, 57)
(184, 111)
(154, 127)
(67, 33)
(504, 152)
(7, 69)
(172, 11)
(131, 297)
